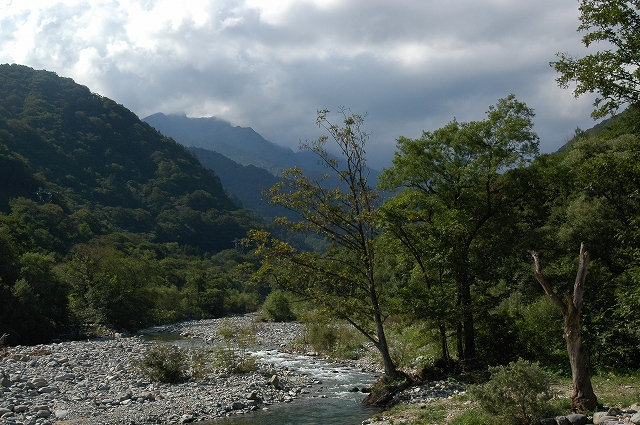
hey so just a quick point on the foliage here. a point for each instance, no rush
(519, 393)
(276, 307)
(456, 181)
(234, 355)
(3, 346)
(103, 220)
(164, 363)
(343, 279)
(321, 336)
(613, 71)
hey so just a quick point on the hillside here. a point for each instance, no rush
(244, 182)
(62, 144)
(241, 144)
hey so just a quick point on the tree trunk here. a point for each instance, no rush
(383, 347)
(583, 397)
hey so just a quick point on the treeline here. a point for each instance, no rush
(104, 221)
(445, 262)
(115, 281)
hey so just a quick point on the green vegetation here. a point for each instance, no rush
(277, 308)
(164, 363)
(104, 222)
(612, 72)
(520, 392)
(234, 356)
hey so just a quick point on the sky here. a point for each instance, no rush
(408, 65)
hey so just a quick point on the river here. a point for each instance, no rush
(333, 401)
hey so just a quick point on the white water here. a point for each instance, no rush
(330, 402)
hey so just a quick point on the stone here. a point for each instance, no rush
(562, 420)
(7, 415)
(4, 410)
(237, 406)
(577, 419)
(601, 417)
(61, 414)
(39, 382)
(48, 390)
(20, 408)
(43, 414)
(6, 383)
(65, 377)
(275, 382)
(185, 419)
(635, 419)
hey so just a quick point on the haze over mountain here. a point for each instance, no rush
(241, 144)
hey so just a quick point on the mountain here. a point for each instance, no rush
(62, 144)
(244, 182)
(241, 144)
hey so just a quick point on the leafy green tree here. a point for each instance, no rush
(613, 72)
(343, 279)
(455, 183)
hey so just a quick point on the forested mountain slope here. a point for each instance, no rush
(104, 222)
(84, 150)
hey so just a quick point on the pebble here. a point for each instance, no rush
(98, 382)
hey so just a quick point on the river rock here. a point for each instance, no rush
(67, 381)
(601, 417)
(577, 419)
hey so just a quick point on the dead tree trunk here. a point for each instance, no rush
(583, 397)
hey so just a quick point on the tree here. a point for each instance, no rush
(614, 72)
(454, 184)
(583, 397)
(343, 279)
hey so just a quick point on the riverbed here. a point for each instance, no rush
(98, 382)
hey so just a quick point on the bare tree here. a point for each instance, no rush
(583, 397)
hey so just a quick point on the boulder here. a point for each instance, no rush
(600, 417)
(577, 419)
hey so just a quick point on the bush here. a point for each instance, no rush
(276, 307)
(234, 356)
(321, 337)
(520, 392)
(164, 363)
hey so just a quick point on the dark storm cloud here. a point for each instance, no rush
(410, 65)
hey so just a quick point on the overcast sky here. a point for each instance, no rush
(411, 65)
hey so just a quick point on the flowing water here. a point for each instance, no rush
(332, 402)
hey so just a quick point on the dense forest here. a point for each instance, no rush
(104, 222)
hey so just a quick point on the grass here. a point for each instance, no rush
(612, 390)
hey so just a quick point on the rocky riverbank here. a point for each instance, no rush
(98, 381)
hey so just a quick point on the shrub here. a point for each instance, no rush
(276, 307)
(234, 356)
(164, 363)
(519, 392)
(3, 346)
(321, 337)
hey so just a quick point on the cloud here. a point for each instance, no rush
(410, 65)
